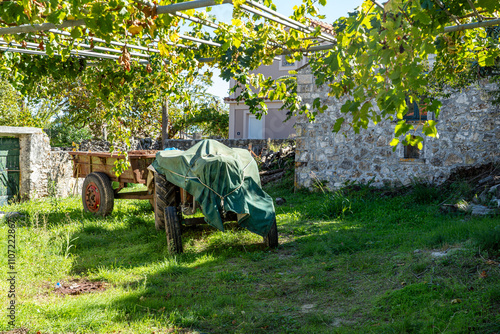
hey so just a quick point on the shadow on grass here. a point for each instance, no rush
(128, 241)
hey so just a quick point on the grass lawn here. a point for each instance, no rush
(361, 261)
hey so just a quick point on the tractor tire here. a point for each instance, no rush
(173, 230)
(166, 194)
(97, 194)
(271, 239)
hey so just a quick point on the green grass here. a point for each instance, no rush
(365, 269)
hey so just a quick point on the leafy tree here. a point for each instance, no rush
(9, 104)
(244, 45)
(16, 111)
(210, 116)
(64, 134)
(83, 104)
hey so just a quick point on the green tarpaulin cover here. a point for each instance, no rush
(221, 179)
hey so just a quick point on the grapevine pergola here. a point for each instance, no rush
(366, 57)
(176, 10)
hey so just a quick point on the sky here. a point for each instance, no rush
(333, 10)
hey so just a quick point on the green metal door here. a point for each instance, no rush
(9, 169)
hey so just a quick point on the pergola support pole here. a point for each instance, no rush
(474, 25)
(171, 9)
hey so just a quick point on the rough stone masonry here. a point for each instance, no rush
(469, 134)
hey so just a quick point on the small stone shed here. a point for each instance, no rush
(30, 169)
(469, 135)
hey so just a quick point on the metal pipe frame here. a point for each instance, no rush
(475, 10)
(26, 28)
(73, 52)
(277, 20)
(177, 7)
(287, 19)
(174, 9)
(317, 48)
(199, 40)
(35, 46)
(196, 20)
(131, 46)
(473, 25)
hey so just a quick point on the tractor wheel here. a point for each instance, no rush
(166, 194)
(97, 194)
(271, 240)
(173, 230)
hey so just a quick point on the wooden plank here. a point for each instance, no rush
(134, 195)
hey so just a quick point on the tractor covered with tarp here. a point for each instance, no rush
(223, 182)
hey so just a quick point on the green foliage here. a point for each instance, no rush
(9, 104)
(211, 120)
(63, 134)
(336, 205)
(124, 95)
(16, 112)
(202, 112)
(380, 61)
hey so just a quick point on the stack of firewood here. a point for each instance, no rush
(273, 165)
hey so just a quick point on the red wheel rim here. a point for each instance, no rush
(92, 197)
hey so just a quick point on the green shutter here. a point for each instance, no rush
(9, 169)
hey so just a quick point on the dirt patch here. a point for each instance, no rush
(16, 331)
(78, 286)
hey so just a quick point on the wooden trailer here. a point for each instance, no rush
(98, 194)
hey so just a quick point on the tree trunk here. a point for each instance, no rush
(164, 123)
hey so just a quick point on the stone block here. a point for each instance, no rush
(453, 159)
(363, 165)
(381, 141)
(469, 160)
(346, 164)
(320, 157)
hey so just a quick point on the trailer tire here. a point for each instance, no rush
(97, 194)
(173, 230)
(271, 239)
(166, 194)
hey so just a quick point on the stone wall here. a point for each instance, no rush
(469, 134)
(59, 175)
(43, 172)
